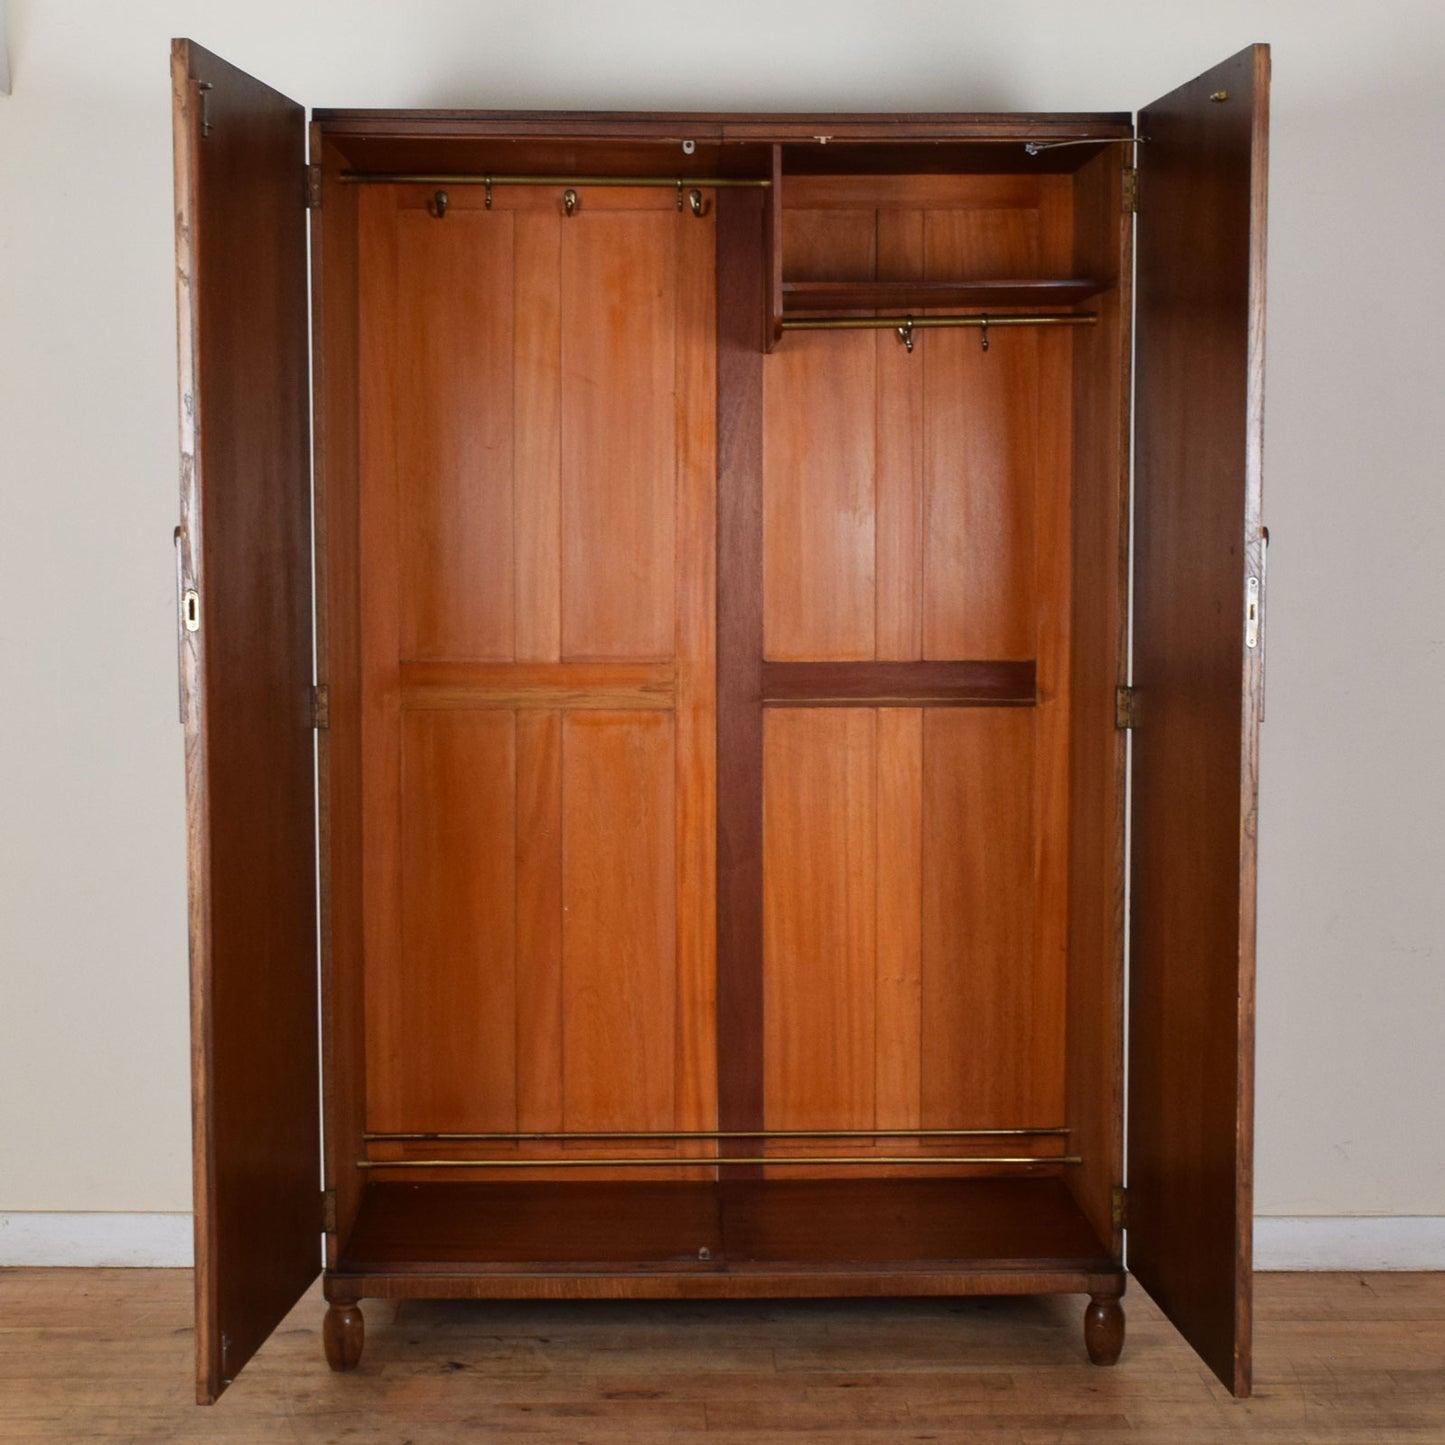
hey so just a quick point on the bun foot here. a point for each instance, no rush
(344, 1333)
(1104, 1328)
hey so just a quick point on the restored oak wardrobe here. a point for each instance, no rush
(705, 781)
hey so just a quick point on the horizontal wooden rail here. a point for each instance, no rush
(899, 684)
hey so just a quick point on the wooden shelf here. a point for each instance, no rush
(771, 1236)
(905, 296)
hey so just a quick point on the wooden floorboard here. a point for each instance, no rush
(106, 1355)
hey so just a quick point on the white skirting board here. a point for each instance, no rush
(1309, 1242)
(128, 1240)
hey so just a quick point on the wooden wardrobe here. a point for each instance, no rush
(655, 620)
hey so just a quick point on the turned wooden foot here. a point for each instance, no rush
(344, 1333)
(1104, 1328)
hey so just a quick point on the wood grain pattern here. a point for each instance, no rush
(619, 989)
(1103, 237)
(898, 980)
(537, 434)
(1341, 1358)
(945, 684)
(539, 914)
(907, 294)
(818, 498)
(984, 988)
(979, 467)
(1200, 338)
(453, 997)
(247, 674)
(619, 448)
(453, 457)
(740, 301)
(819, 916)
(443, 686)
(335, 361)
(545, 907)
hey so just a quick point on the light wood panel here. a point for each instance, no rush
(457, 990)
(538, 787)
(453, 454)
(820, 916)
(992, 1010)
(619, 462)
(619, 991)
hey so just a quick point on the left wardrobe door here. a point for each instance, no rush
(245, 624)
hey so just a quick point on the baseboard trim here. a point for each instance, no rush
(1350, 1241)
(1304, 1242)
(133, 1241)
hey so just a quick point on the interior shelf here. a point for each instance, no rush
(893, 1227)
(800, 296)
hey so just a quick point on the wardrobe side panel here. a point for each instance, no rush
(1097, 748)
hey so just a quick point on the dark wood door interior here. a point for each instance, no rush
(246, 653)
(1197, 675)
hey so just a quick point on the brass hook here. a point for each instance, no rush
(983, 331)
(439, 204)
(569, 201)
(905, 335)
(694, 199)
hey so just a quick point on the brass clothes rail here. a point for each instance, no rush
(905, 326)
(668, 1135)
(711, 1161)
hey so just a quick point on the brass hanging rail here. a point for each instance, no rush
(905, 326)
(473, 179)
(919, 323)
(709, 1161)
(668, 1135)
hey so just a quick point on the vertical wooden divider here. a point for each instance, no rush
(740, 323)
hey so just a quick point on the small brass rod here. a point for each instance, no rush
(400, 178)
(665, 1135)
(706, 1161)
(918, 323)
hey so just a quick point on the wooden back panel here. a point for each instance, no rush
(537, 538)
(916, 510)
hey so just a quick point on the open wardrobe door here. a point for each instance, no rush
(244, 568)
(1199, 574)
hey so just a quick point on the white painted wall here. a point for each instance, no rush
(93, 1047)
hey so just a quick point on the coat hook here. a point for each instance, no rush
(439, 204)
(569, 201)
(983, 331)
(905, 335)
(694, 199)
(488, 182)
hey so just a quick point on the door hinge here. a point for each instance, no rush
(1131, 190)
(313, 187)
(321, 706)
(204, 88)
(1126, 708)
(328, 1211)
(1119, 1207)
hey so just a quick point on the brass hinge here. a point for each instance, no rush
(1131, 190)
(1126, 708)
(1119, 1207)
(321, 706)
(204, 88)
(313, 188)
(328, 1211)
